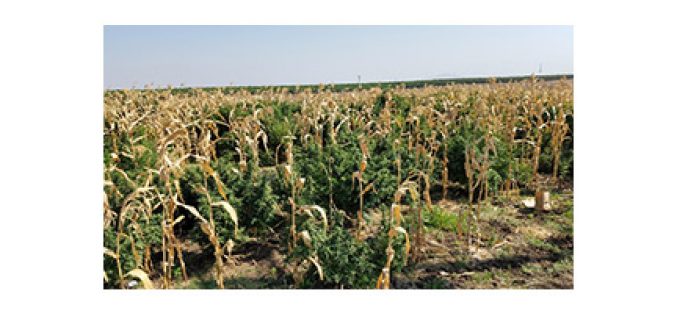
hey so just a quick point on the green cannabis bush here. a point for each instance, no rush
(346, 261)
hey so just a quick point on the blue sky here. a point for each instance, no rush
(268, 55)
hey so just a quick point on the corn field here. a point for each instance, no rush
(333, 189)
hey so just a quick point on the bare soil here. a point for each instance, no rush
(520, 249)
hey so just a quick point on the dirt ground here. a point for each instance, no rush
(520, 249)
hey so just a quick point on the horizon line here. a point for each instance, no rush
(469, 77)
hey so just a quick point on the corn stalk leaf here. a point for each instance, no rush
(191, 209)
(318, 266)
(229, 209)
(143, 276)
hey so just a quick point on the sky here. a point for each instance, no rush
(200, 56)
